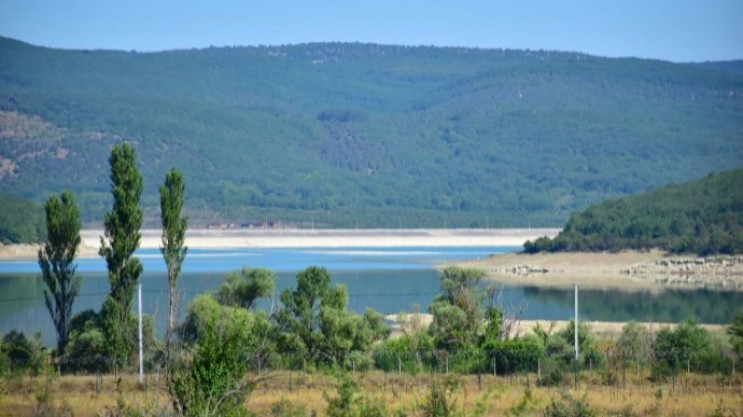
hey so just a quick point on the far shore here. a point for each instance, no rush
(607, 329)
(306, 238)
(631, 270)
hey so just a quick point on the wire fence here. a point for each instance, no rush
(612, 367)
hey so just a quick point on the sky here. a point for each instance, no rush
(672, 30)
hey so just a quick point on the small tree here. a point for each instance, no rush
(174, 234)
(56, 260)
(457, 312)
(213, 382)
(245, 287)
(121, 240)
(736, 334)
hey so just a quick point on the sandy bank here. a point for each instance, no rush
(604, 329)
(325, 238)
(628, 270)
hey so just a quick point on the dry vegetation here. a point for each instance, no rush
(691, 395)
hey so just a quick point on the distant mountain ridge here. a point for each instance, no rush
(361, 135)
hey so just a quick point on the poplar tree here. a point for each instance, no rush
(122, 236)
(172, 195)
(56, 259)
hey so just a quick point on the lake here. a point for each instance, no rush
(388, 280)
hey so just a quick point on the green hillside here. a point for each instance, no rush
(365, 135)
(703, 216)
(21, 221)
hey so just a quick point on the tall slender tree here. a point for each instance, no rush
(56, 260)
(122, 238)
(172, 195)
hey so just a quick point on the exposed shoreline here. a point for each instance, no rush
(523, 327)
(631, 270)
(304, 238)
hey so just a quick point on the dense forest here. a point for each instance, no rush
(21, 221)
(361, 135)
(705, 217)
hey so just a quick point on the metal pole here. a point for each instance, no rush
(141, 356)
(576, 335)
(576, 322)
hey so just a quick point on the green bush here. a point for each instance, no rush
(213, 381)
(23, 355)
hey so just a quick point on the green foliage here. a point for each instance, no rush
(513, 356)
(23, 355)
(634, 343)
(172, 195)
(56, 260)
(88, 349)
(258, 332)
(705, 217)
(285, 408)
(348, 403)
(457, 312)
(213, 382)
(736, 334)
(315, 324)
(687, 347)
(21, 221)
(245, 287)
(122, 237)
(440, 401)
(569, 406)
(367, 135)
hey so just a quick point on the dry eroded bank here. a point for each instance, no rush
(629, 269)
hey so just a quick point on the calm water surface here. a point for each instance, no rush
(388, 280)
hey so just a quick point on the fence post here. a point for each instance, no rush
(539, 369)
(399, 365)
(447, 363)
(624, 371)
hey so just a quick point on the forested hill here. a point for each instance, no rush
(705, 217)
(21, 221)
(365, 135)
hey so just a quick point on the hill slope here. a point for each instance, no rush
(704, 216)
(21, 221)
(365, 135)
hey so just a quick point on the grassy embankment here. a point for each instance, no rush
(692, 395)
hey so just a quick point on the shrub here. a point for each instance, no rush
(23, 355)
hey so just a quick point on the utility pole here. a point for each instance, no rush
(141, 355)
(576, 335)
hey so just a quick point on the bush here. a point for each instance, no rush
(415, 353)
(687, 346)
(23, 355)
(285, 408)
(213, 381)
(569, 407)
(519, 355)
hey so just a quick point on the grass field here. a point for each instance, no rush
(691, 395)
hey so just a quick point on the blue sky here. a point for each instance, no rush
(675, 30)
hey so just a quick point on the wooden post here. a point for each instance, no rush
(539, 369)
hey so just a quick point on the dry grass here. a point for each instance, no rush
(692, 395)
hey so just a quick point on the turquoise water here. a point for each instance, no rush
(388, 280)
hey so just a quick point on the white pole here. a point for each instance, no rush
(576, 321)
(141, 355)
